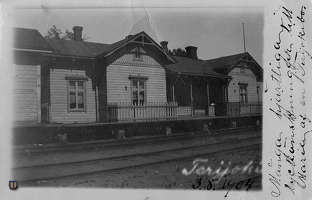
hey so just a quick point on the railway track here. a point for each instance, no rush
(44, 158)
(127, 142)
(31, 175)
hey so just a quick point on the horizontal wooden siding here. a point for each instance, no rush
(58, 90)
(25, 94)
(248, 78)
(119, 87)
(128, 60)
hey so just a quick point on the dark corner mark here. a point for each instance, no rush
(13, 185)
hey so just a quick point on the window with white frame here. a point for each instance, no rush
(76, 95)
(138, 90)
(243, 93)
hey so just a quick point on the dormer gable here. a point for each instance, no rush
(141, 39)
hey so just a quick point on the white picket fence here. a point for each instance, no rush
(184, 111)
(150, 111)
(250, 108)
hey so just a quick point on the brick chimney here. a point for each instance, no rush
(164, 45)
(78, 33)
(191, 52)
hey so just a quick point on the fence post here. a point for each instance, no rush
(116, 114)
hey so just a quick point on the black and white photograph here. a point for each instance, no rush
(138, 99)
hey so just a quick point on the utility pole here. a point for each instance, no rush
(244, 38)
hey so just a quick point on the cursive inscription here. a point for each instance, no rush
(286, 89)
(223, 170)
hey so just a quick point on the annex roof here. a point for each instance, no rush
(83, 49)
(229, 62)
(29, 39)
(188, 66)
(77, 48)
(224, 62)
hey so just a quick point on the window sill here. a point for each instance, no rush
(77, 78)
(77, 111)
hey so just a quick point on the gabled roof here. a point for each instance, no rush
(132, 38)
(117, 45)
(83, 49)
(93, 50)
(224, 62)
(29, 39)
(77, 48)
(188, 66)
(228, 62)
(199, 67)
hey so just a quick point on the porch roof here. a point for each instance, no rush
(194, 67)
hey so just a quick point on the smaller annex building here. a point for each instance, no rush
(225, 86)
(134, 79)
(28, 49)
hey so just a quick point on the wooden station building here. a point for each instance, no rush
(134, 79)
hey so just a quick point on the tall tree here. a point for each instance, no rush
(54, 32)
(70, 35)
(177, 52)
(57, 33)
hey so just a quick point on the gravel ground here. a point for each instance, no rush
(44, 158)
(164, 176)
(170, 176)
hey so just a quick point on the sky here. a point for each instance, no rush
(215, 28)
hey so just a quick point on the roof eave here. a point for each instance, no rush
(69, 56)
(32, 50)
(198, 74)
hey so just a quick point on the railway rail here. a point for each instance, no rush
(126, 142)
(86, 168)
(44, 158)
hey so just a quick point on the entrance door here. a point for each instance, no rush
(200, 102)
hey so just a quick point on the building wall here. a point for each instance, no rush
(25, 98)
(119, 86)
(58, 97)
(249, 78)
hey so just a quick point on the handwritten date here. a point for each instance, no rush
(228, 183)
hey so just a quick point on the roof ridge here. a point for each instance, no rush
(25, 28)
(126, 39)
(198, 59)
(227, 56)
(74, 41)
